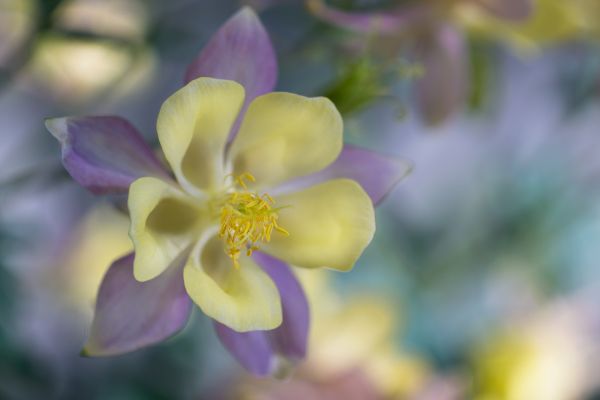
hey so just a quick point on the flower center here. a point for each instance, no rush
(247, 219)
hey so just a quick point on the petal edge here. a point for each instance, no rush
(240, 50)
(377, 173)
(130, 314)
(329, 225)
(104, 153)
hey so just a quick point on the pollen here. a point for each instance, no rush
(247, 219)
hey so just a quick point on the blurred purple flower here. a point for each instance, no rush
(106, 154)
(426, 27)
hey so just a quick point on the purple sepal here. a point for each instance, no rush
(511, 10)
(240, 50)
(378, 174)
(443, 88)
(257, 351)
(291, 337)
(392, 21)
(251, 349)
(130, 315)
(104, 153)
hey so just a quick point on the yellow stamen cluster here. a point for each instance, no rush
(247, 219)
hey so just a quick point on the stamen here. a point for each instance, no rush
(247, 219)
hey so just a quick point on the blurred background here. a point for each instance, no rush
(483, 279)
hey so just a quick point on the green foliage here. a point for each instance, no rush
(358, 84)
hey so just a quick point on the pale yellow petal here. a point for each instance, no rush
(553, 21)
(164, 222)
(329, 225)
(349, 335)
(284, 136)
(193, 126)
(243, 298)
(98, 240)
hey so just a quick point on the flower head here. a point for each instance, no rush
(250, 170)
(352, 351)
(432, 33)
(226, 203)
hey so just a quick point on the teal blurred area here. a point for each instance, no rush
(482, 281)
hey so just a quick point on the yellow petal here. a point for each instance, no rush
(243, 298)
(368, 324)
(284, 136)
(193, 126)
(553, 21)
(98, 240)
(329, 225)
(164, 222)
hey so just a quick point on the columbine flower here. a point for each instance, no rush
(429, 30)
(540, 356)
(352, 353)
(257, 178)
(227, 204)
